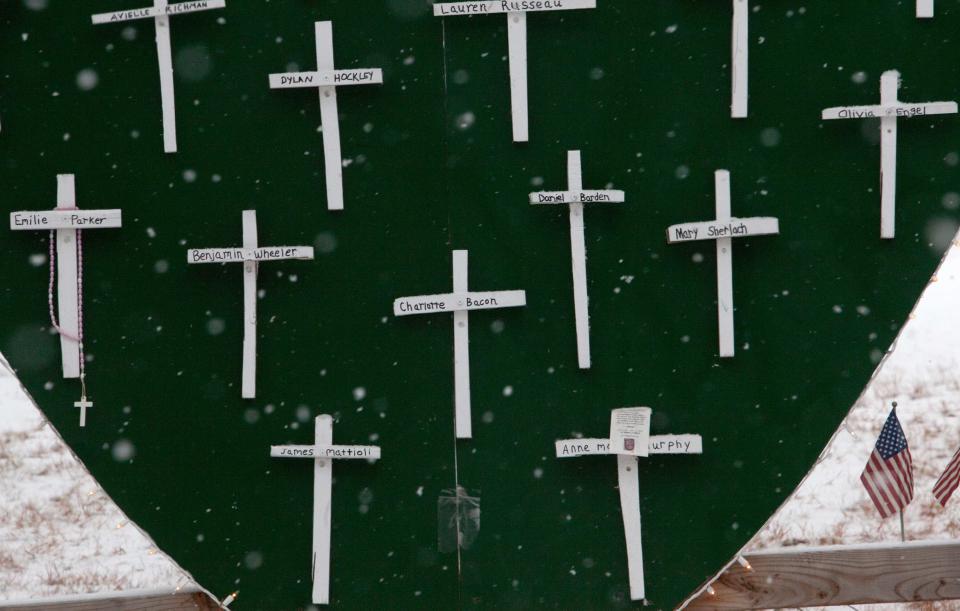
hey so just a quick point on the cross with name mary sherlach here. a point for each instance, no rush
(516, 11)
(323, 453)
(889, 110)
(251, 256)
(723, 229)
(575, 197)
(459, 303)
(628, 480)
(327, 79)
(161, 12)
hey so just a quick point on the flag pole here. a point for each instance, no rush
(902, 536)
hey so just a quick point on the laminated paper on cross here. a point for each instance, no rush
(160, 12)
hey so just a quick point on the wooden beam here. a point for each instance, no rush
(838, 575)
(181, 601)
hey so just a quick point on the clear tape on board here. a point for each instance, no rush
(458, 519)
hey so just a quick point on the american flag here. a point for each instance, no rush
(947, 483)
(888, 476)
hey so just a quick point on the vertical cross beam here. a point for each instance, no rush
(517, 48)
(739, 71)
(924, 9)
(68, 304)
(628, 481)
(889, 83)
(461, 352)
(165, 59)
(329, 119)
(578, 261)
(322, 496)
(250, 269)
(721, 179)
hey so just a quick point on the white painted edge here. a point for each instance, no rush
(889, 83)
(578, 262)
(68, 307)
(44, 220)
(165, 61)
(458, 302)
(657, 444)
(322, 496)
(249, 376)
(463, 423)
(329, 119)
(334, 452)
(901, 110)
(740, 70)
(602, 196)
(629, 483)
(125, 595)
(517, 51)
(730, 228)
(490, 7)
(924, 9)
(724, 267)
(336, 78)
(147, 13)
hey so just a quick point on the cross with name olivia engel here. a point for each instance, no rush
(459, 303)
(575, 197)
(516, 11)
(889, 110)
(327, 79)
(723, 230)
(161, 12)
(251, 256)
(323, 453)
(65, 224)
(628, 480)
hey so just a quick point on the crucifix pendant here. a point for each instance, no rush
(83, 404)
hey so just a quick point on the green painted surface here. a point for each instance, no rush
(642, 88)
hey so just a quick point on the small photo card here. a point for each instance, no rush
(630, 431)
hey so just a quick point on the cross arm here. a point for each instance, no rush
(325, 451)
(489, 7)
(659, 444)
(453, 302)
(149, 12)
(65, 219)
(578, 197)
(238, 255)
(903, 110)
(322, 78)
(714, 230)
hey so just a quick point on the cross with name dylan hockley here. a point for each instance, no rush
(629, 484)
(161, 12)
(459, 303)
(323, 453)
(516, 11)
(723, 230)
(889, 110)
(251, 256)
(575, 197)
(66, 219)
(327, 79)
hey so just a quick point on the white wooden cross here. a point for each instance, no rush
(739, 71)
(327, 79)
(323, 453)
(460, 302)
(251, 256)
(723, 230)
(924, 9)
(888, 111)
(83, 404)
(66, 219)
(629, 484)
(161, 12)
(575, 196)
(516, 11)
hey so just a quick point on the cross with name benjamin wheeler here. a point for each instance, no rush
(161, 12)
(459, 303)
(628, 480)
(327, 79)
(723, 230)
(323, 453)
(889, 110)
(251, 256)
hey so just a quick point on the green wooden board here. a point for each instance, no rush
(642, 88)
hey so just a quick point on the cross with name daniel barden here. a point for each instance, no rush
(628, 480)
(327, 79)
(161, 12)
(723, 230)
(323, 453)
(459, 303)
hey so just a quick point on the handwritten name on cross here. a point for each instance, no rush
(66, 219)
(161, 12)
(251, 256)
(327, 79)
(576, 196)
(723, 230)
(889, 110)
(323, 453)
(460, 302)
(516, 11)
(629, 484)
